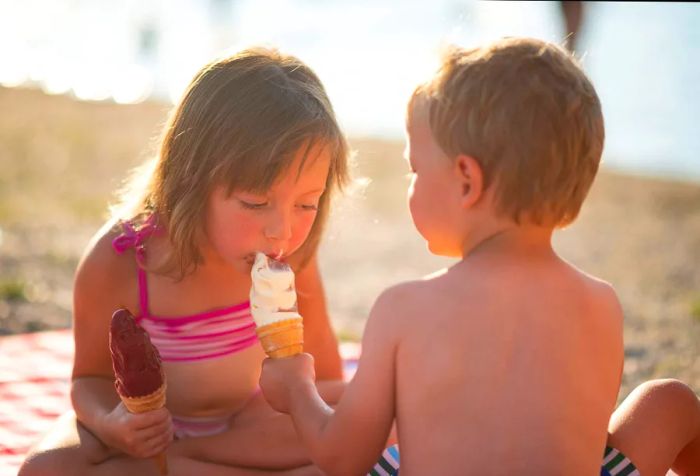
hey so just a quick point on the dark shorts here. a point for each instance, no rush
(614, 463)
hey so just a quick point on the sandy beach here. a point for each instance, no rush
(61, 160)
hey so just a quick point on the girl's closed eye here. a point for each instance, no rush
(308, 207)
(259, 205)
(252, 204)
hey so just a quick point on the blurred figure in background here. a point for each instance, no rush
(573, 18)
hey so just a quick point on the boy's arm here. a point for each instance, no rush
(349, 439)
(319, 339)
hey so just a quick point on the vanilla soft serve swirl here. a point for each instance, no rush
(272, 295)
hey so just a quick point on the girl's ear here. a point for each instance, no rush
(471, 179)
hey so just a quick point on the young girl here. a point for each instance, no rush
(248, 162)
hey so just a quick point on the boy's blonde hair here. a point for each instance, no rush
(526, 111)
(239, 124)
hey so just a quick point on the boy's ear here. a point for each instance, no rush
(471, 179)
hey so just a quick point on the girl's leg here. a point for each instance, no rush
(258, 437)
(183, 466)
(658, 427)
(67, 449)
(70, 449)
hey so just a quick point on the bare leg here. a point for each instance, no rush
(70, 449)
(259, 437)
(658, 427)
(182, 466)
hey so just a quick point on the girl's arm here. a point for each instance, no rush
(319, 339)
(349, 439)
(96, 294)
(105, 282)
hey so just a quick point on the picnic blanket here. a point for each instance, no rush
(34, 384)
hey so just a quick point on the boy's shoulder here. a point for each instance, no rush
(597, 304)
(600, 290)
(395, 312)
(411, 297)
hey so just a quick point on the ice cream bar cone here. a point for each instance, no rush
(282, 338)
(153, 401)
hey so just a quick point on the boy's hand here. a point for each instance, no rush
(141, 435)
(280, 378)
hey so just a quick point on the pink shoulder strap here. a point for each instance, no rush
(135, 238)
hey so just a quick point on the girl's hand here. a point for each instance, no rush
(140, 435)
(281, 378)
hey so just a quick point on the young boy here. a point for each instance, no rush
(509, 362)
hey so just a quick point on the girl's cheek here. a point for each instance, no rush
(244, 233)
(303, 229)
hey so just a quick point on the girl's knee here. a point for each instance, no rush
(58, 461)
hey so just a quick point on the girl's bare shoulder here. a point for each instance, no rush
(103, 270)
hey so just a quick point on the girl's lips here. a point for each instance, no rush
(277, 257)
(250, 259)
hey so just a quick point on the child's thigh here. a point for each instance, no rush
(188, 467)
(68, 448)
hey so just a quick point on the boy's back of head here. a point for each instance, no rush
(527, 112)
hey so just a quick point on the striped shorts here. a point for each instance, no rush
(614, 463)
(617, 464)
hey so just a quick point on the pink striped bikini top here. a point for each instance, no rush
(206, 335)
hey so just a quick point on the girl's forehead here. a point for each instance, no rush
(309, 154)
(309, 163)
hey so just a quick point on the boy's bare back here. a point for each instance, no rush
(503, 361)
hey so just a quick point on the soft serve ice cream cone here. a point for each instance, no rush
(140, 380)
(273, 303)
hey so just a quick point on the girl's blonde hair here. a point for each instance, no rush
(239, 124)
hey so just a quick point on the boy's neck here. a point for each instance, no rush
(509, 237)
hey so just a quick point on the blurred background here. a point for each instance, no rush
(85, 86)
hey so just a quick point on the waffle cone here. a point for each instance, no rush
(283, 338)
(152, 401)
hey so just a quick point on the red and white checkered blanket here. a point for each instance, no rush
(34, 384)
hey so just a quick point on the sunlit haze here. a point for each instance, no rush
(369, 54)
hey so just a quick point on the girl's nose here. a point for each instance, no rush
(279, 227)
